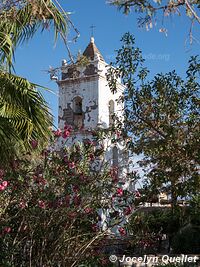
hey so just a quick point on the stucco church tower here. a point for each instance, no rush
(86, 102)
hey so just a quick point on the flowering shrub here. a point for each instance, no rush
(51, 206)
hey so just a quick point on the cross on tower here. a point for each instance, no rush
(92, 27)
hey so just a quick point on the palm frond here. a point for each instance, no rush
(24, 114)
(19, 23)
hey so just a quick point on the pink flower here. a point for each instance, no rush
(137, 194)
(119, 192)
(66, 134)
(7, 230)
(34, 144)
(68, 128)
(58, 133)
(42, 181)
(88, 210)
(92, 157)
(71, 165)
(41, 204)
(2, 187)
(127, 211)
(22, 205)
(5, 183)
(122, 231)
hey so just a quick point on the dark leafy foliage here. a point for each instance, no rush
(162, 117)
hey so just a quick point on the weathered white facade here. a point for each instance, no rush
(86, 103)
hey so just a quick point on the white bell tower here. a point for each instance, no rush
(86, 102)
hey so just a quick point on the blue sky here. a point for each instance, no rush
(162, 53)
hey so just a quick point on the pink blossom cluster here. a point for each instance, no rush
(39, 179)
(6, 230)
(119, 192)
(23, 204)
(137, 194)
(122, 231)
(127, 210)
(3, 185)
(41, 204)
(71, 165)
(88, 210)
(65, 133)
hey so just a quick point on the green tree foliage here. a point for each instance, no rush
(148, 225)
(24, 116)
(195, 210)
(187, 240)
(148, 10)
(158, 229)
(162, 116)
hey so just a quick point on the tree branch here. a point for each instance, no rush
(192, 11)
